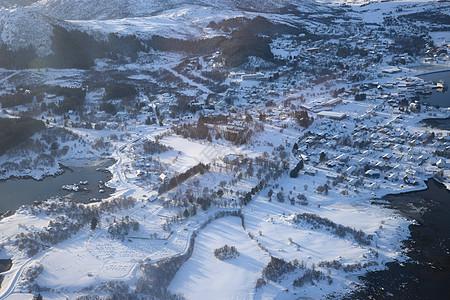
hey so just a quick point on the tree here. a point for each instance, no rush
(322, 157)
(94, 223)
(54, 146)
(302, 118)
(150, 121)
(186, 213)
(360, 97)
(108, 108)
(298, 167)
(293, 173)
(280, 197)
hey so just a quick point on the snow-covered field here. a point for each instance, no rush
(205, 275)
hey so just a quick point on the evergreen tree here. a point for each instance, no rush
(94, 223)
(322, 157)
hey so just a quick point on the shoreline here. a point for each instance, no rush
(424, 274)
(433, 72)
(63, 169)
(437, 123)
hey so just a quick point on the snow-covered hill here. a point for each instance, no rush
(30, 22)
(12, 3)
(113, 9)
(22, 27)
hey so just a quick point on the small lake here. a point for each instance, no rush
(16, 192)
(441, 99)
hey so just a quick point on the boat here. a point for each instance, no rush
(426, 91)
(440, 84)
(71, 187)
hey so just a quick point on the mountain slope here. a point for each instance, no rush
(114, 9)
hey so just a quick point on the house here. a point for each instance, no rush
(373, 186)
(256, 76)
(351, 170)
(387, 156)
(392, 70)
(353, 181)
(310, 172)
(392, 177)
(234, 75)
(380, 165)
(333, 102)
(372, 174)
(162, 177)
(332, 115)
(342, 157)
(332, 176)
(441, 163)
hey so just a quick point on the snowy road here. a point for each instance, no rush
(12, 284)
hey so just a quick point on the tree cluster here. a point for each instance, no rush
(154, 147)
(189, 46)
(32, 273)
(243, 44)
(120, 91)
(302, 118)
(336, 229)
(347, 267)
(113, 287)
(298, 167)
(57, 230)
(360, 97)
(11, 100)
(17, 130)
(277, 267)
(71, 218)
(120, 229)
(226, 252)
(311, 276)
(177, 179)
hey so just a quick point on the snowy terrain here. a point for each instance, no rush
(180, 196)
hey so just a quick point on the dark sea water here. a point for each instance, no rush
(426, 274)
(16, 192)
(437, 98)
(438, 123)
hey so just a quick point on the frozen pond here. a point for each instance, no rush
(15, 192)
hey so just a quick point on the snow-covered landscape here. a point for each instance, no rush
(226, 149)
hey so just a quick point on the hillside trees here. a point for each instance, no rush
(242, 45)
(16, 131)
